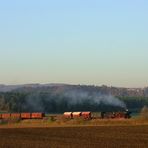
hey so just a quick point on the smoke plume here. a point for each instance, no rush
(68, 100)
(79, 96)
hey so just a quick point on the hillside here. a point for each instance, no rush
(57, 98)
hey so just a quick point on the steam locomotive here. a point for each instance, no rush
(112, 115)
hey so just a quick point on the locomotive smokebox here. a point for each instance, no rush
(127, 113)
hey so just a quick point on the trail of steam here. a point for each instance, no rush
(74, 97)
(79, 96)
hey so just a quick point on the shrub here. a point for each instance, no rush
(144, 112)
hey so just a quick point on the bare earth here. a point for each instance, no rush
(75, 137)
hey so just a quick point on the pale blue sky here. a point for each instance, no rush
(74, 41)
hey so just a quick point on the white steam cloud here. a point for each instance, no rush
(74, 97)
(79, 96)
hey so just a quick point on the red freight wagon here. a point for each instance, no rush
(6, 115)
(37, 115)
(68, 115)
(0, 116)
(86, 115)
(26, 115)
(76, 114)
(15, 115)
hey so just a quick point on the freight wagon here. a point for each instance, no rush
(68, 115)
(37, 115)
(15, 115)
(77, 114)
(6, 116)
(25, 115)
(86, 115)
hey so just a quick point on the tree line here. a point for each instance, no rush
(57, 103)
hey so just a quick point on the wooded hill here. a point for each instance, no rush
(56, 98)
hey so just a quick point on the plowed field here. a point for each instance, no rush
(75, 137)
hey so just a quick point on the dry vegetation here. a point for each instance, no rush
(62, 122)
(80, 137)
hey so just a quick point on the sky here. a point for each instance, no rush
(92, 42)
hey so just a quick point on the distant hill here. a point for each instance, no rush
(115, 91)
(10, 88)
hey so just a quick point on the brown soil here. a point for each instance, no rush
(75, 137)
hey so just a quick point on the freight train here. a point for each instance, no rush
(103, 115)
(38, 115)
(69, 115)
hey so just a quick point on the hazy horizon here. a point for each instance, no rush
(74, 42)
(100, 85)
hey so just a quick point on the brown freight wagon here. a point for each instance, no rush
(25, 115)
(37, 115)
(6, 116)
(0, 116)
(15, 115)
(86, 115)
(68, 115)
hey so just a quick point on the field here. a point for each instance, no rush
(74, 133)
(75, 137)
